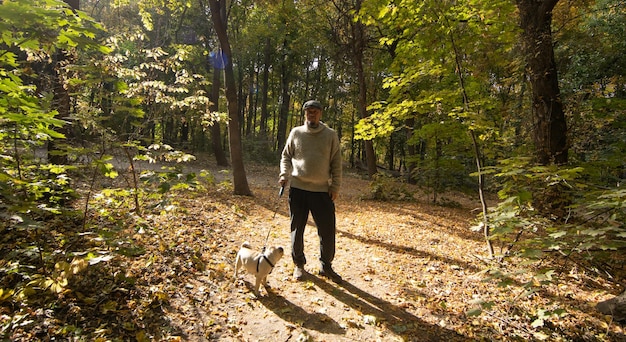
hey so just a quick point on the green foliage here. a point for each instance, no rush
(549, 212)
(45, 26)
(443, 82)
(47, 243)
(146, 93)
(27, 121)
(34, 193)
(387, 188)
(592, 58)
(554, 209)
(457, 62)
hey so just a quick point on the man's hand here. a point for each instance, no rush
(333, 195)
(282, 182)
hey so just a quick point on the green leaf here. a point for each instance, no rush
(474, 312)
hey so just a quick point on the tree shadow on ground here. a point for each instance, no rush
(430, 214)
(408, 213)
(294, 314)
(393, 318)
(408, 250)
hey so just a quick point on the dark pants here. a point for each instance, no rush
(322, 208)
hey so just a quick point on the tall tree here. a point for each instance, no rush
(359, 43)
(550, 132)
(218, 16)
(287, 61)
(215, 66)
(267, 60)
(216, 132)
(352, 36)
(61, 99)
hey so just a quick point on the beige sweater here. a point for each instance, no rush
(312, 158)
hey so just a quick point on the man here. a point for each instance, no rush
(312, 160)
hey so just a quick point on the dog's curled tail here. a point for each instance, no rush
(245, 245)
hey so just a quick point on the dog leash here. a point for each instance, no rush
(280, 194)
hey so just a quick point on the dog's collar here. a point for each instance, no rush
(266, 259)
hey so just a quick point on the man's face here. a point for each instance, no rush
(313, 117)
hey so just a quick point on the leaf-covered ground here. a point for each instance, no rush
(412, 272)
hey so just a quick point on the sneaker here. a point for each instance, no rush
(298, 272)
(329, 273)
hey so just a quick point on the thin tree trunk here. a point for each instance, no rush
(411, 150)
(477, 154)
(241, 102)
(250, 119)
(481, 194)
(265, 88)
(218, 15)
(285, 100)
(390, 154)
(216, 133)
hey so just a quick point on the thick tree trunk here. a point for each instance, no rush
(547, 108)
(218, 16)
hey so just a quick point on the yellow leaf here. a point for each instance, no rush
(110, 306)
(58, 286)
(4, 294)
(141, 336)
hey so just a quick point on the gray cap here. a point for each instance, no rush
(312, 104)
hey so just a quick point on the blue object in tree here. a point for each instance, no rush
(218, 59)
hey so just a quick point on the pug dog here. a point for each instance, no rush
(259, 264)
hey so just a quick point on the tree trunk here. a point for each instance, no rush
(267, 60)
(216, 130)
(285, 99)
(411, 150)
(218, 16)
(549, 119)
(61, 99)
(216, 133)
(477, 154)
(358, 54)
(250, 119)
(241, 102)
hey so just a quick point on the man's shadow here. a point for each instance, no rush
(294, 314)
(392, 317)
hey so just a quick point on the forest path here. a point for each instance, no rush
(383, 250)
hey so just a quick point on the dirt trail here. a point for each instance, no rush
(379, 255)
